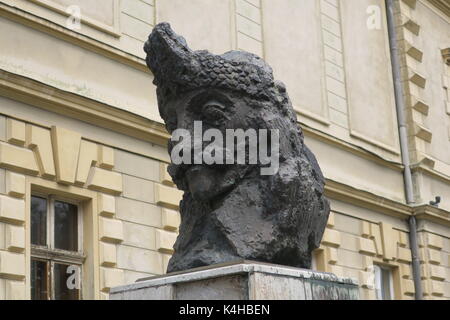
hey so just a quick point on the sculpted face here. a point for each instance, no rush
(214, 109)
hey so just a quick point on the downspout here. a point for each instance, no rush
(402, 129)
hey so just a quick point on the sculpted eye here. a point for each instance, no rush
(214, 111)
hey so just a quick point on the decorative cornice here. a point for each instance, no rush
(443, 5)
(433, 214)
(424, 167)
(41, 95)
(343, 192)
(339, 191)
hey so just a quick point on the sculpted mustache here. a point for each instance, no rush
(180, 169)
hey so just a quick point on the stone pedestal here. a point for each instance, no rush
(244, 280)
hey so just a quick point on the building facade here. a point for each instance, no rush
(86, 203)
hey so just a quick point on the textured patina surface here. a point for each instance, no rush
(232, 212)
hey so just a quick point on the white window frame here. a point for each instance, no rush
(379, 285)
(53, 255)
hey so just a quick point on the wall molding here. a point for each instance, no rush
(338, 191)
(433, 214)
(59, 32)
(422, 167)
(390, 143)
(360, 136)
(38, 94)
(312, 116)
(113, 29)
(414, 82)
(353, 148)
(442, 5)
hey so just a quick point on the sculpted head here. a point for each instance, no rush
(232, 91)
(207, 96)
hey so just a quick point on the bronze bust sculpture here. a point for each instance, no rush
(233, 211)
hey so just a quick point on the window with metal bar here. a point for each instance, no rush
(56, 248)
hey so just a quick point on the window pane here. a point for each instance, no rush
(378, 282)
(66, 282)
(39, 280)
(66, 226)
(386, 277)
(38, 221)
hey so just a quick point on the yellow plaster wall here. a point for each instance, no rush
(129, 205)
